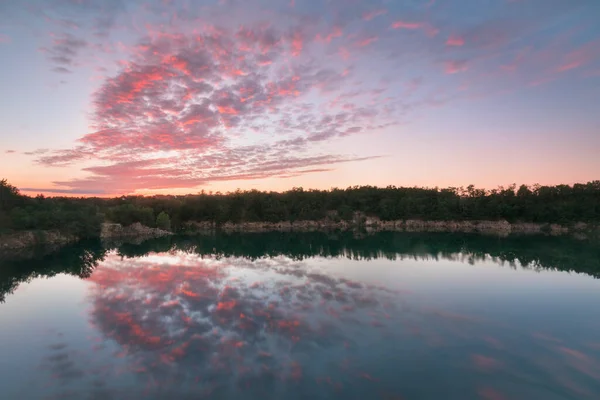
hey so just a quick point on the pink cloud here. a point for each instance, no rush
(547, 63)
(570, 65)
(297, 44)
(455, 66)
(366, 41)
(336, 32)
(344, 53)
(369, 15)
(4, 38)
(196, 93)
(126, 177)
(580, 57)
(412, 25)
(455, 41)
(407, 25)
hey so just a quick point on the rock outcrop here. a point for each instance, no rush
(23, 240)
(372, 224)
(136, 230)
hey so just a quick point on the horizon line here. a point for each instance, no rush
(99, 193)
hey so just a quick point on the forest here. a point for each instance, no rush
(82, 217)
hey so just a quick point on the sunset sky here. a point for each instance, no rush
(110, 97)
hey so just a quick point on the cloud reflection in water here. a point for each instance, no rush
(190, 326)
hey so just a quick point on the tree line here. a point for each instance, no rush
(79, 217)
(82, 216)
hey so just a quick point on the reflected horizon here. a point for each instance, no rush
(535, 252)
(387, 316)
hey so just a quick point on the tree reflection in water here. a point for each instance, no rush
(243, 316)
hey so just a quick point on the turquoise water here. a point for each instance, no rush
(299, 316)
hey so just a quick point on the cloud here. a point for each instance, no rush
(37, 152)
(369, 15)
(194, 94)
(336, 32)
(240, 164)
(61, 70)
(63, 51)
(97, 16)
(79, 26)
(241, 91)
(406, 25)
(455, 41)
(580, 57)
(413, 25)
(297, 43)
(10, 152)
(366, 41)
(491, 34)
(64, 191)
(63, 157)
(556, 59)
(455, 66)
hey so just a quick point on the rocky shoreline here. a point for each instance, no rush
(138, 232)
(110, 231)
(15, 242)
(500, 228)
(27, 239)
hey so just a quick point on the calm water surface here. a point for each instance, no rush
(304, 316)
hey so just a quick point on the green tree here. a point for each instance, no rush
(127, 214)
(9, 195)
(163, 221)
(20, 218)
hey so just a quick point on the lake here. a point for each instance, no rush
(304, 316)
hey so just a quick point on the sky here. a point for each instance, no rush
(112, 97)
